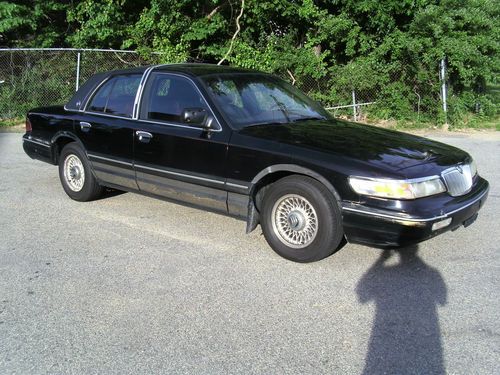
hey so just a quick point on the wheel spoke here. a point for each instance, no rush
(74, 173)
(295, 221)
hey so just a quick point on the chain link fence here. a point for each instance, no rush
(32, 78)
(395, 93)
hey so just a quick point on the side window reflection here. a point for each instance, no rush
(166, 96)
(116, 96)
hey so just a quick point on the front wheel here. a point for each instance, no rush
(301, 219)
(76, 176)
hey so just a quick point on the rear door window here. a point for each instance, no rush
(116, 96)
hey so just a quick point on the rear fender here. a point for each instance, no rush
(55, 142)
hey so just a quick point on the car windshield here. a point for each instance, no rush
(256, 99)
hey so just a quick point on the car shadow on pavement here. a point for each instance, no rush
(110, 193)
(405, 337)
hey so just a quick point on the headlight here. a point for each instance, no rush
(397, 189)
(473, 168)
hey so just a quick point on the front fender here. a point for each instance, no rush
(253, 213)
(296, 169)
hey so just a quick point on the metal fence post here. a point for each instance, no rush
(78, 56)
(444, 93)
(354, 111)
(22, 68)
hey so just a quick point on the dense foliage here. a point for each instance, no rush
(387, 50)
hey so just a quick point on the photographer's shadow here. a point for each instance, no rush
(405, 337)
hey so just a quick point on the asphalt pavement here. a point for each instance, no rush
(133, 285)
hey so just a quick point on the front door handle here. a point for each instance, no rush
(85, 126)
(144, 137)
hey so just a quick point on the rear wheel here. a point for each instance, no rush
(301, 219)
(75, 174)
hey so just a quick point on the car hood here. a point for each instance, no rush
(380, 147)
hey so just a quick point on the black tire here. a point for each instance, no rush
(90, 189)
(318, 209)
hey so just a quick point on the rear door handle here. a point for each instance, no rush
(144, 137)
(85, 126)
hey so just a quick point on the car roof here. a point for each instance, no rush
(200, 69)
(193, 69)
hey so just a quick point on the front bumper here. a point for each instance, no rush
(389, 228)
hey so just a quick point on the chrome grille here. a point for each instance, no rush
(458, 179)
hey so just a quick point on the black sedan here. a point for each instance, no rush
(249, 145)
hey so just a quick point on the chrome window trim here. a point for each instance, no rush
(138, 101)
(87, 99)
(140, 89)
(178, 124)
(91, 96)
(73, 110)
(414, 219)
(180, 174)
(106, 115)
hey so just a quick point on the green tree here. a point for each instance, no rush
(36, 23)
(102, 24)
(387, 50)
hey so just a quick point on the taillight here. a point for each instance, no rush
(28, 124)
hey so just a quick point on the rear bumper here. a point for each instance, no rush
(37, 149)
(384, 228)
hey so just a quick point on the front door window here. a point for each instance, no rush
(166, 96)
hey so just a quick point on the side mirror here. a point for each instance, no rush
(197, 117)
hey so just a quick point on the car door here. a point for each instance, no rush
(106, 129)
(174, 159)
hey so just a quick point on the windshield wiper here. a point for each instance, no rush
(267, 123)
(305, 118)
(282, 107)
